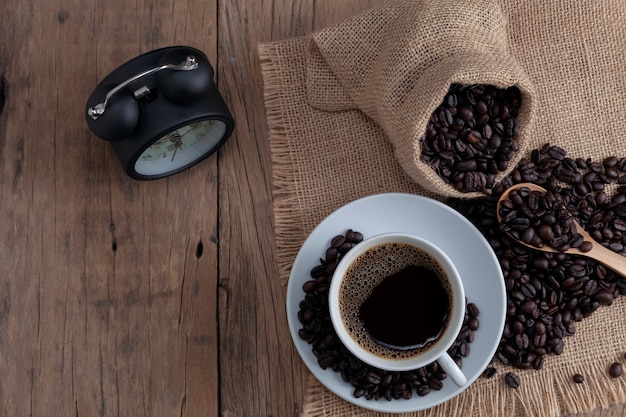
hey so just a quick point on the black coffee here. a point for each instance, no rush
(407, 310)
(395, 319)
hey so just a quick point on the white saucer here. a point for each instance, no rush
(445, 227)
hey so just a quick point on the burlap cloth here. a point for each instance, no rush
(336, 135)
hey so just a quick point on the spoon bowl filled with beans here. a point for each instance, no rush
(539, 219)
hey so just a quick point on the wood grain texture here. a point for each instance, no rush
(126, 298)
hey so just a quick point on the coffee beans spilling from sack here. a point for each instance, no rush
(472, 135)
(548, 293)
(368, 382)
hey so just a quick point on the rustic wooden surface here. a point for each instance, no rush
(126, 298)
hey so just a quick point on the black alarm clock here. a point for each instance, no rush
(161, 111)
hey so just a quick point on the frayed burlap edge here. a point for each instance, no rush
(287, 214)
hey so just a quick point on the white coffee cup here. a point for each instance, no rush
(344, 309)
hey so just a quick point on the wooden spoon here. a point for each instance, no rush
(605, 256)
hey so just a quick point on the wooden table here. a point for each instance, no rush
(127, 298)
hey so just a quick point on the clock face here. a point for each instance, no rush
(180, 147)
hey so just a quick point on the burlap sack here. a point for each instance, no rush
(574, 52)
(396, 65)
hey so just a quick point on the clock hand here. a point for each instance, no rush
(178, 143)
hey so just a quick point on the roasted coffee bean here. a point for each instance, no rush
(615, 370)
(423, 390)
(489, 372)
(471, 137)
(512, 380)
(465, 166)
(353, 236)
(344, 248)
(473, 324)
(604, 297)
(331, 255)
(326, 360)
(338, 241)
(310, 286)
(373, 377)
(472, 310)
(578, 378)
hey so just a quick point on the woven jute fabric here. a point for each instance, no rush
(337, 134)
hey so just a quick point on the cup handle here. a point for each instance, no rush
(451, 368)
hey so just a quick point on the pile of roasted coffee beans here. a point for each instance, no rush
(368, 382)
(541, 219)
(548, 293)
(472, 135)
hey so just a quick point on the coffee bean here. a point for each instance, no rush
(489, 372)
(310, 286)
(604, 297)
(373, 377)
(331, 255)
(472, 310)
(512, 380)
(423, 390)
(338, 241)
(318, 271)
(528, 306)
(578, 378)
(557, 153)
(359, 392)
(473, 324)
(615, 370)
(451, 100)
(540, 328)
(325, 360)
(468, 165)
(353, 236)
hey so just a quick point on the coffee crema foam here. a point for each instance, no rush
(368, 271)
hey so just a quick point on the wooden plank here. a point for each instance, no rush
(108, 306)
